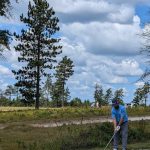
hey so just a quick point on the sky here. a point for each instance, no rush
(100, 36)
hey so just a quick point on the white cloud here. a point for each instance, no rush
(130, 2)
(3, 85)
(105, 38)
(129, 67)
(139, 84)
(91, 68)
(5, 71)
(124, 14)
(87, 11)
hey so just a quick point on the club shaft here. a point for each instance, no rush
(110, 140)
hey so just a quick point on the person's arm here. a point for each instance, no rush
(115, 123)
(114, 119)
(121, 121)
(123, 112)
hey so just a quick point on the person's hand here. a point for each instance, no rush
(117, 128)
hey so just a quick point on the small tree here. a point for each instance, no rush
(47, 89)
(56, 94)
(10, 90)
(67, 96)
(119, 94)
(38, 49)
(86, 103)
(138, 97)
(76, 102)
(63, 71)
(98, 95)
(145, 91)
(108, 96)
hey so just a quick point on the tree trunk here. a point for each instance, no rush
(145, 101)
(63, 96)
(37, 88)
(38, 77)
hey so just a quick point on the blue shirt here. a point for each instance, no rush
(119, 113)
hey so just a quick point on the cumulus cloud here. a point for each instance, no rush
(91, 68)
(5, 71)
(129, 67)
(139, 84)
(130, 2)
(105, 38)
(87, 11)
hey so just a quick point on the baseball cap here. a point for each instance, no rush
(115, 102)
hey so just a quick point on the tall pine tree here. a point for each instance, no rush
(63, 71)
(38, 48)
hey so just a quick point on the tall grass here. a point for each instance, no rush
(68, 113)
(71, 137)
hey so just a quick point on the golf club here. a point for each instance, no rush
(110, 140)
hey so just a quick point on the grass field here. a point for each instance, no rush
(95, 136)
(136, 146)
(19, 136)
(21, 114)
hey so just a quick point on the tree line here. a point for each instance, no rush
(141, 95)
(54, 95)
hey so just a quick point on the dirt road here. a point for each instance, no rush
(84, 121)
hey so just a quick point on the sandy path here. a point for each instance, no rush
(84, 121)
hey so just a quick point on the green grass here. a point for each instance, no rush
(21, 114)
(95, 136)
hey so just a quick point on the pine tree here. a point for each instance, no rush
(4, 7)
(63, 71)
(108, 96)
(38, 49)
(10, 90)
(119, 94)
(56, 94)
(145, 35)
(138, 97)
(5, 35)
(145, 91)
(98, 95)
(67, 96)
(47, 89)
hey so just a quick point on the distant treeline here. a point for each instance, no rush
(50, 98)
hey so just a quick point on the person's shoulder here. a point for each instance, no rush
(122, 106)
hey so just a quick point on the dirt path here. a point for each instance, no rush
(87, 121)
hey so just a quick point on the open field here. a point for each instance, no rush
(90, 136)
(19, 114)
(18, 135)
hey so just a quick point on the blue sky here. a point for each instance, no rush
(101, 37)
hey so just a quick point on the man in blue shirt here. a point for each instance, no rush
(120, 121)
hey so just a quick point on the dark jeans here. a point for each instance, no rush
(124, 134)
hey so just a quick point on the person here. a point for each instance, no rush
(120, 121)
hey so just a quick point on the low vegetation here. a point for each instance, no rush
(72, 137)
(14, 114)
